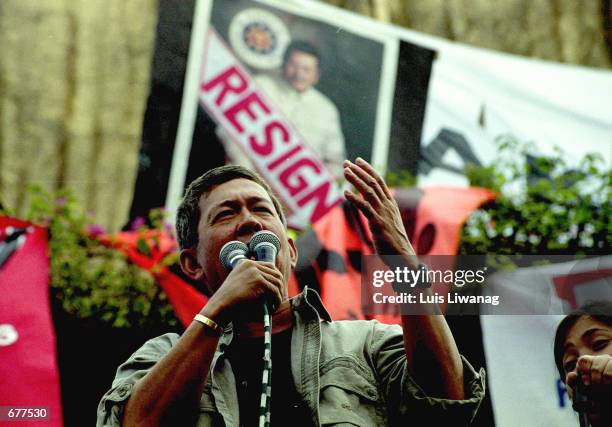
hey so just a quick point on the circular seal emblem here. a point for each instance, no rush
(8, 335)
(259, 38)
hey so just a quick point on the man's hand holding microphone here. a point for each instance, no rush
(253, 277)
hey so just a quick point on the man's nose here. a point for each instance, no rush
(248, 224)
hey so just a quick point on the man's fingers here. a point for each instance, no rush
(273, 291)
(268, 284)
(375, 175)
(361, 204)
(359, 179)
(265, 273)
(269, 268)
(272, 279)
(368, 178)
(253, 266)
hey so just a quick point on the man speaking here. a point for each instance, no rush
(325, 372)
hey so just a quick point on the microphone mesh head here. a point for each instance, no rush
(264, 236)
(227, 250)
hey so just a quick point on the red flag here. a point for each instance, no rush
(28, 372)
(330, 253)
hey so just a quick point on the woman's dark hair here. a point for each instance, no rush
(601, 311)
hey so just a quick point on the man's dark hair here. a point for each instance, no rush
(601, 311)
(188, 213)
(301, 46)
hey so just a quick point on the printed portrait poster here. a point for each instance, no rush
(293, 94)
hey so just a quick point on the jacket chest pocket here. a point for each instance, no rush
(349, 396)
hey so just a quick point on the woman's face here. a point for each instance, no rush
(588, 356)
(587, 337)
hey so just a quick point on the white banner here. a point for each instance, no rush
(476, 95)
(524, 384)
(276, 149)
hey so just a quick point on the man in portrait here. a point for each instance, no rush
(312, 113)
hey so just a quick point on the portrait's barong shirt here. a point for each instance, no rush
(312, 114)
(347, 372)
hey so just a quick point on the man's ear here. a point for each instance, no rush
(293, 253)
(189, 264)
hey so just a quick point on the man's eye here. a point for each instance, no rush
(262, 209)
(223, 214)
(569, 365)
(600, 344)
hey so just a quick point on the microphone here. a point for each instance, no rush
(232, 253)
(264, 245)
(581, 403)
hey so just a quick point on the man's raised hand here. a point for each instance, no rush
(379, 207)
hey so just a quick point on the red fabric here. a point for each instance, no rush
(433, 217)
(341, 293)
(185, 299)
(565, 285)
(28, 372)
(446, 209)
(160, 244)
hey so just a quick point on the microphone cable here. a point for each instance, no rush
(266, 379)
(265, 245)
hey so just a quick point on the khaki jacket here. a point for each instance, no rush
(350, 372)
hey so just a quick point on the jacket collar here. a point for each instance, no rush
(309, 305)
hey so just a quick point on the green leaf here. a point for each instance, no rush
(143, 247)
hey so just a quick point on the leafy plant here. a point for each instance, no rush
(544, 206)
(400, 179)
(92, 281)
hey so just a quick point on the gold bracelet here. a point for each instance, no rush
(209, 322)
